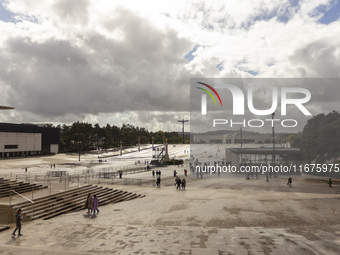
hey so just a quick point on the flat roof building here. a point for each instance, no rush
(21, 140)
(264, 155)
(233, 138)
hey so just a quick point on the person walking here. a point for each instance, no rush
(330, 183)
(18, 218)
(158, 182)
(95, 204)
(184, 182)
(88, 203)
(153, 173)
(179, 183)
(290, 180)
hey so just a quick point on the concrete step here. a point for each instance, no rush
(72, 200)
(20, 187)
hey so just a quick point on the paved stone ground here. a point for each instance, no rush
(196, 221)
(226, 215)
(102, 239)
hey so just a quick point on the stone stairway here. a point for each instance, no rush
(70, 201)
(20, 187)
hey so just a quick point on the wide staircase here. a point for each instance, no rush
(6, 186)
(70, 201)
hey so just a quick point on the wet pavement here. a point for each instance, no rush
(215, 215)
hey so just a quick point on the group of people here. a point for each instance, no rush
(180, 183)
(158, 173)
(92, 204)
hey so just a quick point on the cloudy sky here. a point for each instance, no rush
(126, 61)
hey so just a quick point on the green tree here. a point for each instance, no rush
(295, 140)
(320, 138)
(85, 137)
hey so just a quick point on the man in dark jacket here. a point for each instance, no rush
(179, 183)
(158, 182)
(183, 183)
(18, 218)
(290, 180)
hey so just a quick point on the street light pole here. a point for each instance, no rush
(183, 121)
(273, 138)
(79, 149)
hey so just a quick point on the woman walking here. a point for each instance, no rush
(88, 203)
(95, 204)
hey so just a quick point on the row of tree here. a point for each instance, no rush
(320, 138)
(85, 137)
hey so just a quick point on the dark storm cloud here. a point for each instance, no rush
(123, 61)
(141, 69)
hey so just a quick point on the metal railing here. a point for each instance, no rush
(63, 183)
(21, 196)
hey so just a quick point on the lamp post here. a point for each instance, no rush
(121, 148)
(183, 121)
(78, 142)
(79, 149)
(273, 140)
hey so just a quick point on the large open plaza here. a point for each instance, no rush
(226, 214)
(169, 127)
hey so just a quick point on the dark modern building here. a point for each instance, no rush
(28, 139)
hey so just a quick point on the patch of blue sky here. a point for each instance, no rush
(282, 14)
(282, 17)
(252, 72)
(5, 15)
(209, 27)
(220, 66)
(190, 55)
(244, 69)
(331, 13)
